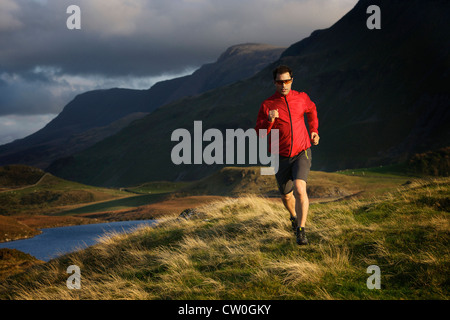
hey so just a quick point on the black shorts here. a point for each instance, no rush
(296, 167)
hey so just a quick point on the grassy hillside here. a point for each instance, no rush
(434, 163)
(26, 190)
(18, 176)
(243, 248)
(13, 261)
(322, 186)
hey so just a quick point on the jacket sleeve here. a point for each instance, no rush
(311, 113)
(262, 121)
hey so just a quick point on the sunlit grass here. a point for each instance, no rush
(244, 248)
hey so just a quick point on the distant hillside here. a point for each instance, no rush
(92, 116)
(433, 163)
(15, 176)
(382, 96)
(238, 181)
(27, 190)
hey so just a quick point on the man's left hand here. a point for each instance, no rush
(315, 138)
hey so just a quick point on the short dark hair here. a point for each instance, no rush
(281, 70)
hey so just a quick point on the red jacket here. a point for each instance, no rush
(293, 135)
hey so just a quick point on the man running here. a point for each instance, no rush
(285, 111)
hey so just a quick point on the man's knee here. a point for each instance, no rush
(287, 197)
(300, 188)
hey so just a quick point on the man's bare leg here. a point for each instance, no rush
(289, 203)
(301, 202)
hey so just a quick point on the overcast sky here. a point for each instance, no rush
(129, 44)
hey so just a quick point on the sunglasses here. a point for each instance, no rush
(280, 82)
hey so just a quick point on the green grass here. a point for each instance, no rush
(395, 171)
(50, 194)
(119, 204)
(243, 248)
(158, 187)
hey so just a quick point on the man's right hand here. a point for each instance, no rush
(272, 115)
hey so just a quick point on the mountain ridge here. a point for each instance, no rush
(103, 110)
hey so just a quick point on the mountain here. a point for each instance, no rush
(236, 63)
(382, 96)
(92, 116)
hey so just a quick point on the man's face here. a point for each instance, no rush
(283, 83)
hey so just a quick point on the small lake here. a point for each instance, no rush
(53, 242)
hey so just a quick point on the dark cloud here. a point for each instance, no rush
(21, 96)
(133, 43)
(143, 37)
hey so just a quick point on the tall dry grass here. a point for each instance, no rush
(244, 248)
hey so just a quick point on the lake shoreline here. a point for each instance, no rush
(61, 225)
(53, 242)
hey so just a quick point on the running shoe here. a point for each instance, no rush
(301, 236)
(294, 223)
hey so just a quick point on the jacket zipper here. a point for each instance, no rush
(292, 130)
